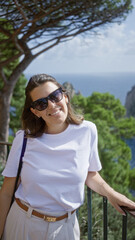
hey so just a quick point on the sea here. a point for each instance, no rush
(117, 84)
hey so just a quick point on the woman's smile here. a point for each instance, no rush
(54, 113)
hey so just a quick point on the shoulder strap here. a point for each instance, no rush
(19, 166)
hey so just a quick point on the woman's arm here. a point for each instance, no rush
(6, 193)
(97, 183)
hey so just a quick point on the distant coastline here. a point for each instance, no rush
(117, 84)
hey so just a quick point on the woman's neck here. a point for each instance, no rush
(56, 129)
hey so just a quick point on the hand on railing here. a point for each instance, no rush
(128, 210)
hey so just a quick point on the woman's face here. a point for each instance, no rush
(56, 112)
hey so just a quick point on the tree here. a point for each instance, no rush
(31, 27)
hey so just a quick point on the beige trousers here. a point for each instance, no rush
(23, 226)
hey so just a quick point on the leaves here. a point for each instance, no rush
(17, 104)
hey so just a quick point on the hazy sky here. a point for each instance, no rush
(113, 50)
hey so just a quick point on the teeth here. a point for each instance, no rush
(52, 114)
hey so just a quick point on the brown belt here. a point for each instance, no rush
(40, 215)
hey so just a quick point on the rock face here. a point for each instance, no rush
(130, 103)
(69, 88)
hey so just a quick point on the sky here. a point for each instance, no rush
(113, 50)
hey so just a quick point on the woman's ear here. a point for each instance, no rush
(34, 111)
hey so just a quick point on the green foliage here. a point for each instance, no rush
(132, 178)
(114, 220)
(17, 104)
(97, 216)
(104, 101)
(1, 177)
(6, 52)
(126, 127)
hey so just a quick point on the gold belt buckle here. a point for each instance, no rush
(50, 219)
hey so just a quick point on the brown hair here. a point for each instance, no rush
(33, 125)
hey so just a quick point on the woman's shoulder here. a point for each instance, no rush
(88, 124)
(89, 127)
(18, 137)
(20, 132)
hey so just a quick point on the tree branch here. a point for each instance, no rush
(46, 49)
(21, 10)
(20, 68)
(18, 46)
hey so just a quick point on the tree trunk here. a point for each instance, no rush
(4, 123)
(5, 99)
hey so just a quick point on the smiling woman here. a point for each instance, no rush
(61, 156)
(46, 102)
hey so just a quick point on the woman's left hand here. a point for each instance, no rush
(97, 183)
(117, 200)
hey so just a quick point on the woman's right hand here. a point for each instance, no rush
(6, 193)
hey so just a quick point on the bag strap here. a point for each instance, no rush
(20, 166)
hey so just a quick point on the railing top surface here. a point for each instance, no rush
(5, 143)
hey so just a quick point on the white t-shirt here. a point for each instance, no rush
(55, 167)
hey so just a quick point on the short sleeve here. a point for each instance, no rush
(94, 161)
(14, 156)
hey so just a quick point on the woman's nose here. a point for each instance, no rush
(51, 103)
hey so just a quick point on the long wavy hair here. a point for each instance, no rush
(34, 126)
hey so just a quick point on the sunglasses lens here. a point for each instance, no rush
(56, 96)
(41, 104)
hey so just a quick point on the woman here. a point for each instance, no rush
(61, 156)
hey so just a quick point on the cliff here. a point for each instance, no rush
(130, 103)
(70, 89)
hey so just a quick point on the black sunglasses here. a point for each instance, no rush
(42, 103)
